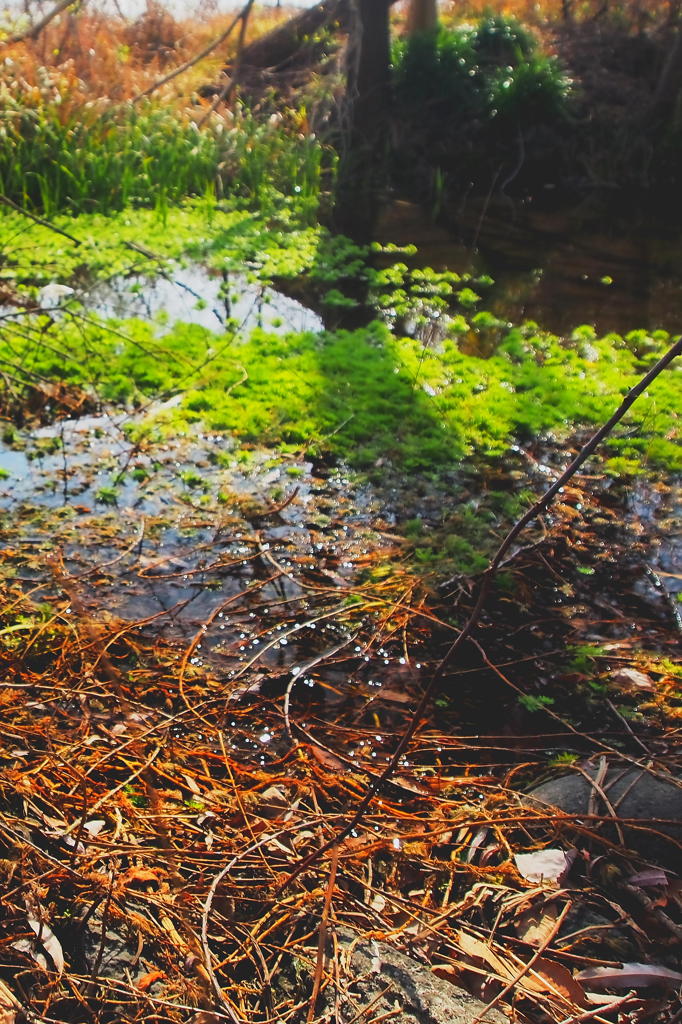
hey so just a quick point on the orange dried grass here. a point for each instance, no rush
(98, 55)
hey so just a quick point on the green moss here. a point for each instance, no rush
(369, 396)
(107, 496)
(192, 479)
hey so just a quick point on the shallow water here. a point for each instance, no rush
(177, 528)
(549, 269)
(195, 295)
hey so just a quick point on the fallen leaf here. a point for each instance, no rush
(560, 980)
(474, 947)
(632, 679)
(536, 924)
(8, 1005)
(411, 785)
(326, 758)
(141, 876)
(544, 865)
(46, 937)
(648, 878)
(29, 949)
(478, 839)
(630, 975)
(191, 784)
(377, 902)
(544, 976)
(94, 827)
(147, 980)
(395, 696)
(448, 973)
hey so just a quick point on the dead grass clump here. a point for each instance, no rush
(154, 36)
(116, 58)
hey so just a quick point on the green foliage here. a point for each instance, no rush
(370, 396)
(470, 98)
(192, 479)
(57, 156)
(564, 758)
(107, 496)
(534, 703)
(582, 658)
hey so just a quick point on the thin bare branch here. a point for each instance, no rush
(207, 50)
(33, 31)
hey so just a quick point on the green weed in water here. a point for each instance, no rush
(369, 396)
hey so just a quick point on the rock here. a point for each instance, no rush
(380, 978)
(636, 794)
(108, 949)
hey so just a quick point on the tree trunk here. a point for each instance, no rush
(422, 16)
(279, 45)
(363, 156)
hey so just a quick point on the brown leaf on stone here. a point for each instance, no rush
(632, 679)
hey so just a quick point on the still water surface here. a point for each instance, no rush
(551, 271)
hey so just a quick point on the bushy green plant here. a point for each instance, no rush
(472, 98)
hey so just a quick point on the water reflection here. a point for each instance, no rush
(195, 295)
(549, 269)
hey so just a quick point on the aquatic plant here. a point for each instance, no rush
(371, 396)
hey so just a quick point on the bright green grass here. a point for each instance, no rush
(363, 395)
(107, 157)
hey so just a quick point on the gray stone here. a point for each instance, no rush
(653, 798)
(374, 973)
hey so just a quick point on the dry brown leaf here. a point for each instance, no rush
(395, 696)
(534, 925)
(559, 980)
(141, 876)
(274, 802)
(147, 980)
(327, 759)
(474, 947)
(411, 785)
(544, 976)
(632, 679)
(448, 973)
